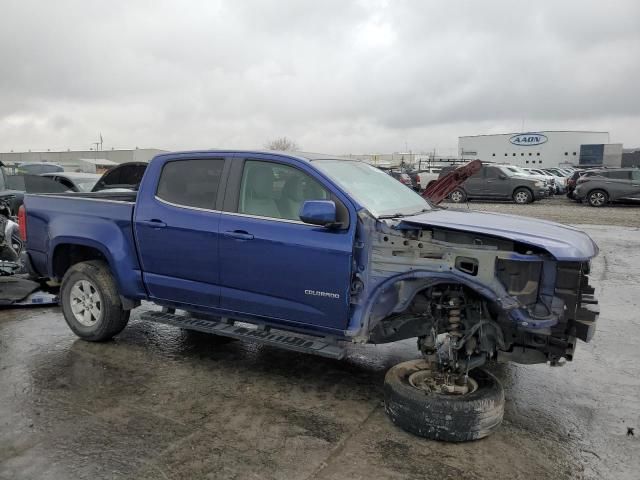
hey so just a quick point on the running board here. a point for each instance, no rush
(268, 336)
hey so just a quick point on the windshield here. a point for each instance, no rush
(375, 190)
(518, 170)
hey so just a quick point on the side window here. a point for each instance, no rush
(192, 183)
(619, 175)
(65, 182)
(635, 175)
(492, 173)
(276, 191)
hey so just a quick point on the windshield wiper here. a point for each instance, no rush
(401, 215)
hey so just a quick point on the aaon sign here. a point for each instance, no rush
(528, 139)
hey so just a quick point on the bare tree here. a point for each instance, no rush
(283, 144)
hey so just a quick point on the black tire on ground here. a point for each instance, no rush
(458, 196)
(93, 283)
(450, 418)
(522, 196)
(598, 198)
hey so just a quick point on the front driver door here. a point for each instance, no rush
(176, 226)
(272, 264)
(494, 185)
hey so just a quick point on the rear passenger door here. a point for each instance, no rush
(176, 227)
(271, 263)
(474, 184)
(618, 184)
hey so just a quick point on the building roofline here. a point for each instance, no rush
(93, 151)
(533, 131)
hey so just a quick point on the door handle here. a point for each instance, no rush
(153, 223)
(238, 235)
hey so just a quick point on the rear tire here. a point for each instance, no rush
(458, 196)
(598, 198)
(522, 196)
(90, 302)
(450, 418)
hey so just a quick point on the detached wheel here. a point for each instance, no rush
(414, 402)
(90, 302)
(598, 198)
(458, 196)
(522, 196)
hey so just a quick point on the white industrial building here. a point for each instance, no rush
(542, 148)
(73, 160)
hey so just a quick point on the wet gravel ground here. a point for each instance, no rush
(158, 402)
(561, 209)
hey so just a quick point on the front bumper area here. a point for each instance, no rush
(581, 307)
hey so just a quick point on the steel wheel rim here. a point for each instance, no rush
(86, 303)
(424, 380)
(597, 198)
(456, 196)
(522, 197)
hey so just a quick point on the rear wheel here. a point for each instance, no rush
(419, 401)
(458, 196)
(598, 198)
(522, 196)
(90, 302)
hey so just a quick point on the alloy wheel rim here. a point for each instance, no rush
(86, 303)
(456, 196)
(522, 197)
(597, 198)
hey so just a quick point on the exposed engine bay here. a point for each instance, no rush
(470, 298)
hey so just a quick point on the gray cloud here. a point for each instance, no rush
(337, 76)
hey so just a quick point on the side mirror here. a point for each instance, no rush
(318, 212)
(503, 176)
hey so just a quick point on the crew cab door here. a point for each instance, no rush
(272, 264)
(176, 227)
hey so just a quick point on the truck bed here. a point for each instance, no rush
(90, 220)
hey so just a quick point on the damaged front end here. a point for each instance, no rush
(468, 296)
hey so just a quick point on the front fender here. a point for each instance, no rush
(396, 293)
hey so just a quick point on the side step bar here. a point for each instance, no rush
(268, 336)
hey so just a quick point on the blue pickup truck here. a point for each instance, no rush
(313, 253)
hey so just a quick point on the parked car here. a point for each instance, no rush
(557, 183)
(75, 181)
(497, 182)
(427, 176)
(312, 253)
(573, 179)
(605, 186)
(38, 168)
(402, 177)
(124, 177)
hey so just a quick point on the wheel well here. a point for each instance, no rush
(522, 187)
(65, 256)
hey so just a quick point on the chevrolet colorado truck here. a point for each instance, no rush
(313, 253)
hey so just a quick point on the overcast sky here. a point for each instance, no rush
(336, 76)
